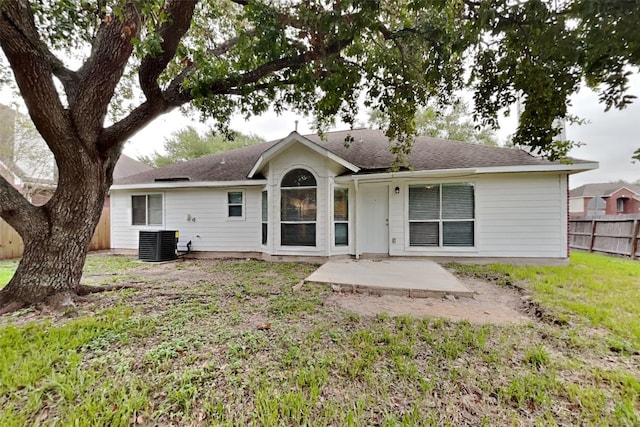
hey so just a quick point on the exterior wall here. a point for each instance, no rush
(631, 205)
(523, 216)
(200, 215)
(517, 215)
(324, 170)
(577, 206)
(209, 228)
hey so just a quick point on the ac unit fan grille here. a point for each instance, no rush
(157, 246)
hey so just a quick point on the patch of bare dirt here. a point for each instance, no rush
(491, 304)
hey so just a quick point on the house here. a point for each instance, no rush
(337, 196)
(604, 199)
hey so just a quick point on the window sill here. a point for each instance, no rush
(298, 249)
(436, 249)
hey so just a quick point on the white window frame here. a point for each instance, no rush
(346, 221)
(264, 203)
(242, 205)
(284, 222)
(440, 221)
(146, 208)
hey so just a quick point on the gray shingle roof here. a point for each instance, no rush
(601, 189)
(127, 166)
(369, 151)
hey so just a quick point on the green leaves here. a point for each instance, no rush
(328, 58)
(188, 144)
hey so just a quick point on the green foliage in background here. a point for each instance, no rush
(187, 144)
(452, 122)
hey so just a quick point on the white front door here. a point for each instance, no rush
(374, 218)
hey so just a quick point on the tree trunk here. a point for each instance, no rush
(56, 246)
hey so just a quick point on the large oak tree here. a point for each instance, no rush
(93, 73)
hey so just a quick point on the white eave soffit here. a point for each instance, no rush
(293, 138)
(467, 172)
(189, 184)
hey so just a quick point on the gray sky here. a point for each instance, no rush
(609, 137)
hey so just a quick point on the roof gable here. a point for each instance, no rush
(296, 138)
(623, 188)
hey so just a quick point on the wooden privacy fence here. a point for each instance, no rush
(618, 236)
(11, 242)
(102, 236)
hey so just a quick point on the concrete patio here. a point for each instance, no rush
(417, 279)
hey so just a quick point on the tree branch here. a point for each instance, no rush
(66, 76)
(16, 210)
(174, 96)
(171, 32)
(101, 73)
(140, 117)
(33, 67)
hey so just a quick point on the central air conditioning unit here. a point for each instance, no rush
(156, 246)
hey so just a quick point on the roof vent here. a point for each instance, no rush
(173, 179)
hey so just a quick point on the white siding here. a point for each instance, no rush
(522, 216)
(200, 215)
(517, 215)
(398, 203)
(299, 156)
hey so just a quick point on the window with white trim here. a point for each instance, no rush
(265, 216)
(235, 204)
(298, 209)
(442, 215)
(146, 209)
(341, 216)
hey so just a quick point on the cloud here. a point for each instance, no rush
(609, 137)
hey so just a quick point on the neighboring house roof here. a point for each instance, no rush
(602, 189)
(127, 166)
(368, 152)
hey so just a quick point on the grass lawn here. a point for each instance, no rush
(6, 271)
(230, 343)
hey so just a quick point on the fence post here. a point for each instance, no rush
(592, 237)
(634, 238)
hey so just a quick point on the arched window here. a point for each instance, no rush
(298, 209)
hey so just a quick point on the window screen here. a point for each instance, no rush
(298, 209)
(341, 216)
(265, 216)
(234, 200)
(441, 215)
(146, 209)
